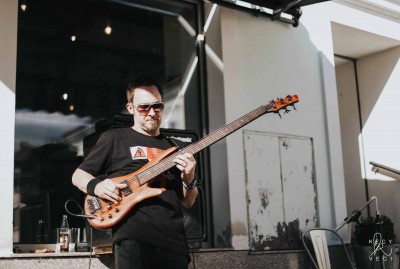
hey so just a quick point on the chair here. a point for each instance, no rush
(326, 247)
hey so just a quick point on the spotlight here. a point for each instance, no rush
(73, 38)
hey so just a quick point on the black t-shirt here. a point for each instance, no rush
(157, 220)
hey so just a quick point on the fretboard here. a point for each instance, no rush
(203, 143)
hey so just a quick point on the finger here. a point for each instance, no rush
(180, 167)
(189, 160)
(122, 185)
(189, 156)
(113, 197)
(112, 189)
(109, 185)
(180, 162)
(184, 156)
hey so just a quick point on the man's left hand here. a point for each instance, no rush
(187, 164)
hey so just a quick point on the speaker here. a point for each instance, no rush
(193, 218)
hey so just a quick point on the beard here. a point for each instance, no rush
(152, 126)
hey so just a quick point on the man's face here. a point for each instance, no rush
(147, 119)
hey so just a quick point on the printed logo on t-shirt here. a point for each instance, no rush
(139, 152)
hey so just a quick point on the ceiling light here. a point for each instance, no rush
(71, 107)
(108, 29)
(23, 7)
(65, 96)
(73, 38)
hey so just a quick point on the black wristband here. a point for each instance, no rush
(92, 185)
(192, 184)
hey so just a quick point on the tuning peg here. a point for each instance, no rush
(279, 114)
(294, 107)
(272, 102)
(286, 110)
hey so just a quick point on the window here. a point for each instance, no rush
(75, 60)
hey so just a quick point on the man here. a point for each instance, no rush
(152, 235)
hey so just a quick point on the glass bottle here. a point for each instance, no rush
(64, 235)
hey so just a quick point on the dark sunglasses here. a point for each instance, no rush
(146, 107)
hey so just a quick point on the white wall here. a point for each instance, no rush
(379, 77)
(379, 141)
(380, 108)
(379, 95)
(350, 128)
(8, 55)
(264, 60)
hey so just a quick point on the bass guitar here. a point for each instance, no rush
(104, 214)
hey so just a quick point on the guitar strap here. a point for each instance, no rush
(171, 142)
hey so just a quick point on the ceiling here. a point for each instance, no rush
(355, 43)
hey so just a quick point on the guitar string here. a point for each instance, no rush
(213, 137)
(166, 163)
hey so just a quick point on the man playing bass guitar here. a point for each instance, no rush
(151, 234)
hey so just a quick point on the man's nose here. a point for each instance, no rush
(152, 111)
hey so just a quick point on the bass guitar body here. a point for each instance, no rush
(106, 214)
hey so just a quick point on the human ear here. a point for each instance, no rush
(130, 108)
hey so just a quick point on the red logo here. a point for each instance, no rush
(139, 154)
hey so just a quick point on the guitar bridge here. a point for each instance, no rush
(94, 204)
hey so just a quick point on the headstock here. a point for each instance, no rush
(281, 103)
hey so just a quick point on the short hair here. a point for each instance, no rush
(142, 81)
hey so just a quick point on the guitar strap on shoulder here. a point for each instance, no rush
(172, 142)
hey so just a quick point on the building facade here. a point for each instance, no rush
(311, 167)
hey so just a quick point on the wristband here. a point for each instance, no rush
(92, 185)
(192, 184)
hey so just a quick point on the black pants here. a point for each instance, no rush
(134, 254)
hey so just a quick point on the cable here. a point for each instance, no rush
(82, 215)
(77, 215)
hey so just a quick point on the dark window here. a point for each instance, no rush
(71, 75)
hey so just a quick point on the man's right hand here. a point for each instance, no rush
(109, 190)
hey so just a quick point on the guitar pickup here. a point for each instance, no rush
(126, 191)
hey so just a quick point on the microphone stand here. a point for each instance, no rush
(357, 213)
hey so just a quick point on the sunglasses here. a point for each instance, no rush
(146, 107)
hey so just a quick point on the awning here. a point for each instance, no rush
(288, 11)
